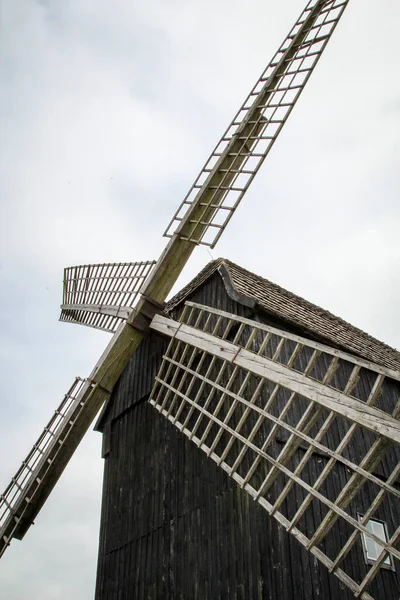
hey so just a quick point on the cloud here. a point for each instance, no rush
(108, 111)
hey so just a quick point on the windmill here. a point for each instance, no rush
(102, 295)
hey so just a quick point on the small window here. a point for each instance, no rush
(372, 549)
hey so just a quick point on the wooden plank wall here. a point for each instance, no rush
(175, 526)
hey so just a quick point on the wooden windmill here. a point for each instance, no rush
(305, 428)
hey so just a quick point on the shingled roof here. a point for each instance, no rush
(293, 309)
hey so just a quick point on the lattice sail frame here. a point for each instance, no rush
(251, 403)
(102, 295)
(31, 478)
(234, 162)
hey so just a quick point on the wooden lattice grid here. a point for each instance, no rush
(27, 481)
(98, 295)
(234, 162)
(232, 386)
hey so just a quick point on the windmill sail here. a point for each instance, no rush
(246, 394)
(239, 154)
(102, 295)
(34, 480)
(210, 203)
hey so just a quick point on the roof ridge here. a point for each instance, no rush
(296, 310)
(323, 311)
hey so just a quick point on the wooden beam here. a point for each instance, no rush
(123, 312)
(334, 508)
(367, 416)
(302, 340)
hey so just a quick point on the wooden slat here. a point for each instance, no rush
(231, 167)
(343, 444)
(100, 296)
(373, 419)
(121, 312)
(302, 340)
(367, 516)
(334, 508)
(31, 485)
(226, 436)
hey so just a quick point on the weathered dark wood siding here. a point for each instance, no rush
(174, 525)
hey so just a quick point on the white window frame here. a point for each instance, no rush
(388, 562)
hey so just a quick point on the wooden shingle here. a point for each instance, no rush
(293, 309)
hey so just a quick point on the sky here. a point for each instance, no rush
(108, 111)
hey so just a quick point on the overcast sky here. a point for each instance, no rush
(108, 111)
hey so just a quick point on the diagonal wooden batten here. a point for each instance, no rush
(254, 397)
(369, 513)
(343, 444)
(200, 391)
(269, 438)
(371, 418)
(212, 392)
(199, 366)
(225, 388)
(377, 451)
(378, 563)
(356, 360)
(306, 423)
(241, 391)
(334, 507)
(249, 359)
(346, 579)
(301, 434)
(323, 430)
